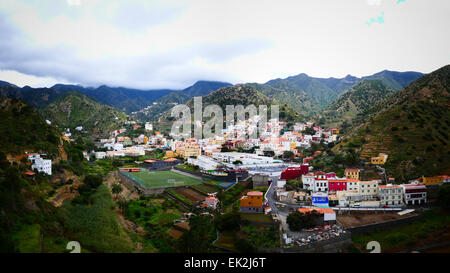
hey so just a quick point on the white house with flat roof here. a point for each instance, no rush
(42, 165)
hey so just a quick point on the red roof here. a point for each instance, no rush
(30, 173)
(254, 193)
(170, 160)
(319, 210)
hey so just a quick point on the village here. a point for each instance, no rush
(266, 176)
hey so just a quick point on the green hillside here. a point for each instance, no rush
(355, 103)
(75, 109)
(23, 129)
(241, 94)
(245, 95)
(412, 128)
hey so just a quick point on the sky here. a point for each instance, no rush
(172, 44)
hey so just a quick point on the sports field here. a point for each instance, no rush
(162, 179)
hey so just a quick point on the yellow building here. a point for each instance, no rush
(292, 146)
(379, 160)
(352, 173)
(189, 150)
(170, 154)
(430, 181)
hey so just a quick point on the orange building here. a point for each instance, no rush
(352, 173)
(252, 202)
(432, 181)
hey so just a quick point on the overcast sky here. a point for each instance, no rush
(172, 44)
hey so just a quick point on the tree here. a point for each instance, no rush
(228, 221)
(288, 154)
(200, 236)
(237, 162)
(116, 188)
(298, 221)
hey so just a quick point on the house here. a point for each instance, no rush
(336, 184)
(431, 181)
(252, 202)
(379, 160)
(211, 201)
(391, 195)
(42, 165)
(357, 199)
(368, 187)
(414, 193)
(308, 181)
(352, 173)
(352, 184)
(294, 172)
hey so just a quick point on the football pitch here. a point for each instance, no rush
(162, 179)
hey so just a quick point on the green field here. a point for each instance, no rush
(162, 179)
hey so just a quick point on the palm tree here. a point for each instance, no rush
(116, 189)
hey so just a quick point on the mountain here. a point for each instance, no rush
(309, 95)
(295, 98)
(163, 104)
(240, 94)
(355, 103)
(124, 99)
(202, 88)
(22, 129)
(411, 126)
(395, 80)
(74, 109)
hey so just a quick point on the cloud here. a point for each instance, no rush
(73, 2)
(171, 43)
(374, 2)
(174, 68)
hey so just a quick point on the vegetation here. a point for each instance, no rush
(75, 109)
(23, 129)
(408, 235)
(422, 107)
(95, 225)
(298, 221)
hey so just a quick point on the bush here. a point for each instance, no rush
(244, 246)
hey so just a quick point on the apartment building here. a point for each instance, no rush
(391, 195)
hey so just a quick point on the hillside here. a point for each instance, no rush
(240, 94)
(354, 104)
(202, 88)
(412, 127)
(23, 129)
(75, 109)
(309, 95)
(163, 104)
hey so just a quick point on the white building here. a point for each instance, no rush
(391, 195)
(204, 162)
(42, 165)
(308, 181)
(414, 193)
(148, 126)
(368, 187)
(100, 155)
